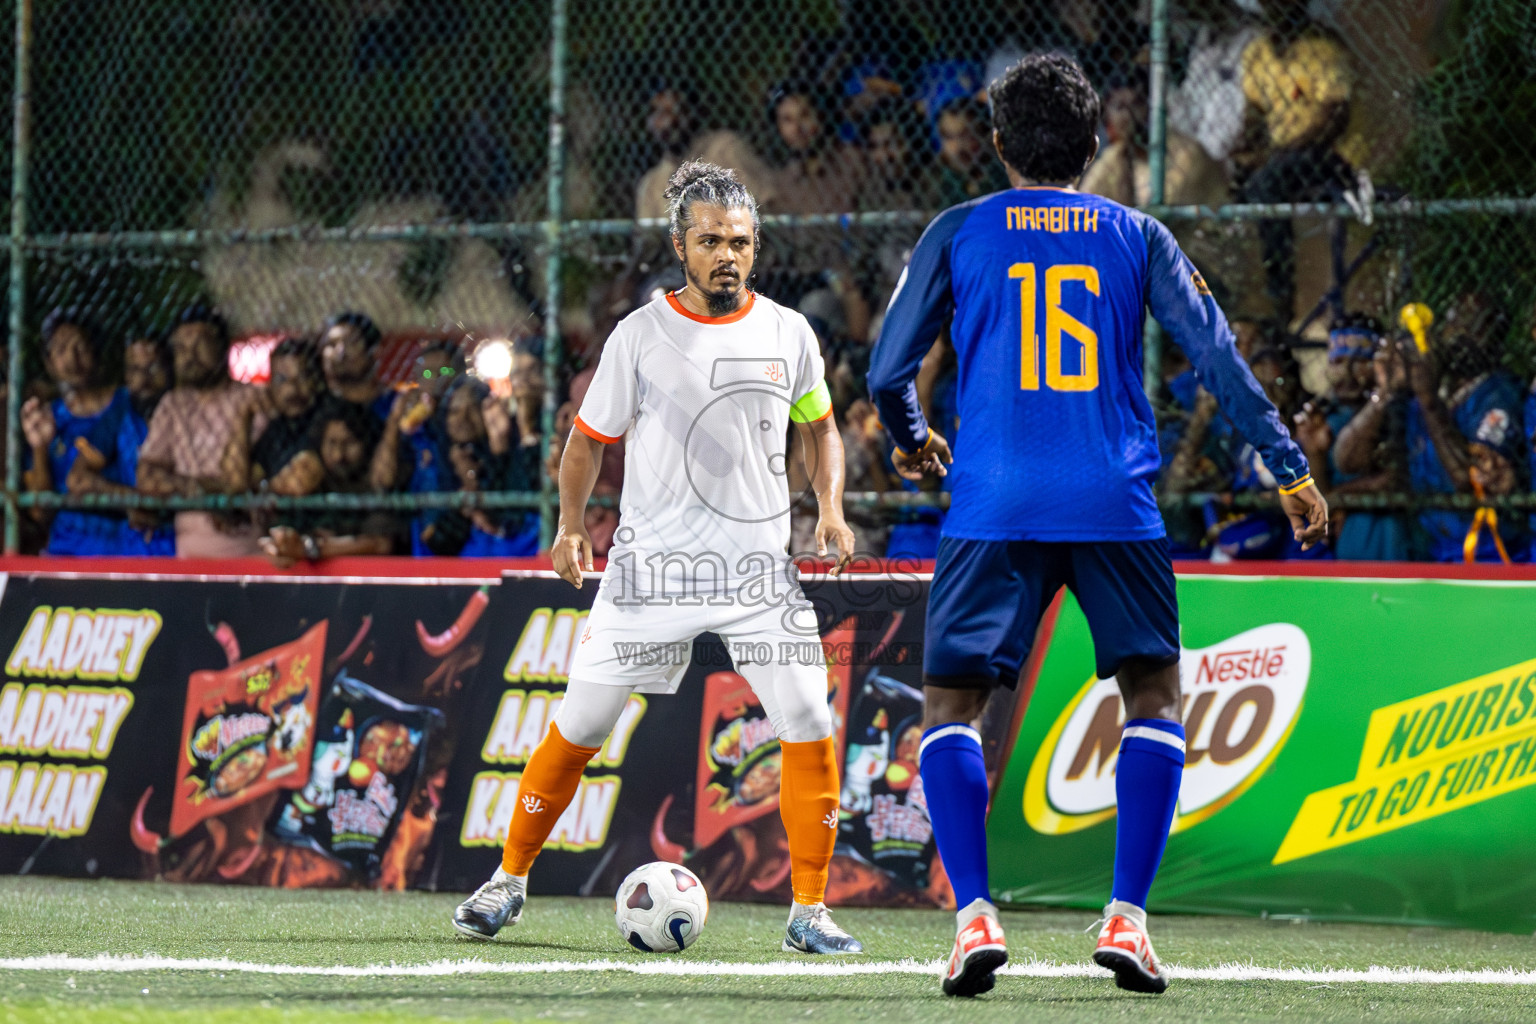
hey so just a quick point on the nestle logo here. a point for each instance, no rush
(1242, 694)
(1236, 666)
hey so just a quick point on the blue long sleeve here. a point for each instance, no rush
(1044, 293)
(919, 309)
(1181, 302)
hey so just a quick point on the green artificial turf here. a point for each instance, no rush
(41, 917)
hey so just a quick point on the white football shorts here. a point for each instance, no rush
(647, 647)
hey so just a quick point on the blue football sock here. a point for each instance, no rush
(955, 787)
(1146, 792)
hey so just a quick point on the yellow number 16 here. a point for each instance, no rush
(1057, 322)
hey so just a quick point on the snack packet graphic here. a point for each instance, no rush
(248, 730)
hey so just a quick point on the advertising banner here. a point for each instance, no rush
(693, 777)
(1356, 749)
(373, 732)
(274, 733)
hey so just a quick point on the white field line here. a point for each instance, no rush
(786, 969)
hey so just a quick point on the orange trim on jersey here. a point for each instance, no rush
(1043, 188)
(823, 416)
(729, 318)
(586, 428)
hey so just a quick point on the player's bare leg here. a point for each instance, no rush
(549, 782)
(1146, 783)
(952, 749)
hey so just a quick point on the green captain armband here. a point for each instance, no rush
(815, 404)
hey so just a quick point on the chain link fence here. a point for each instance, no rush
(483, 183)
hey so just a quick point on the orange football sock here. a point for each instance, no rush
(548, 784)
(808, 798)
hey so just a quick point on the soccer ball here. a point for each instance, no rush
(661, 908)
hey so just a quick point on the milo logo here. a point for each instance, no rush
(1241, 698)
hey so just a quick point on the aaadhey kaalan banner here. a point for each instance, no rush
(275, 733)
(1356, 749)
(316, 733)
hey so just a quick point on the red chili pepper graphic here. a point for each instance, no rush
(448, 639)
(142, 837)
(661, 846)
(240, 863)
(357, 641)
(224, 633)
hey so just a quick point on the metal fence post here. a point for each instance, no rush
(1157, 172)
(22, 114)
(554, 233)
(1157, 105)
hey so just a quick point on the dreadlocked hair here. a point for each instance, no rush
(699, 182)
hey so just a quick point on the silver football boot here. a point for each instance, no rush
(493, 906)
(812, 930)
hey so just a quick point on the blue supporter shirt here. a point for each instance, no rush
(1489, 415)
(1339, 417)
(429, 475)
(381, 406)
(123, 468)
(524, 543)
(1365, 535)
(78, 531)
(1046, 291)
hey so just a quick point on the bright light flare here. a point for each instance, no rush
(493, 359)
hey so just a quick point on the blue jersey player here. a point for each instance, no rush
(1044, 291)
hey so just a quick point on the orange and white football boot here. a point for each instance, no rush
(979, 952)
(1125, 949)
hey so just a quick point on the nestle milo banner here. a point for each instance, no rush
(1357, 749)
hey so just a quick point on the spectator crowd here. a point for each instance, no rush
(1390, 420)
(324, 424)
(871, 118)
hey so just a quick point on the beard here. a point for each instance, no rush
(202, 377)
(720, 303)
(721, 294)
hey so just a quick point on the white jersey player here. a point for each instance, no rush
(703, 385)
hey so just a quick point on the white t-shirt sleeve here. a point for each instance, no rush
(812, 368)
(811, 402)
(613, 397)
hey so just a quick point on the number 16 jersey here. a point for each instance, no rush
(1045, 293)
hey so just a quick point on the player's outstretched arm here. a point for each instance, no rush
(921, 305)
(822, 447)
(572, 549)
(1181, 302)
